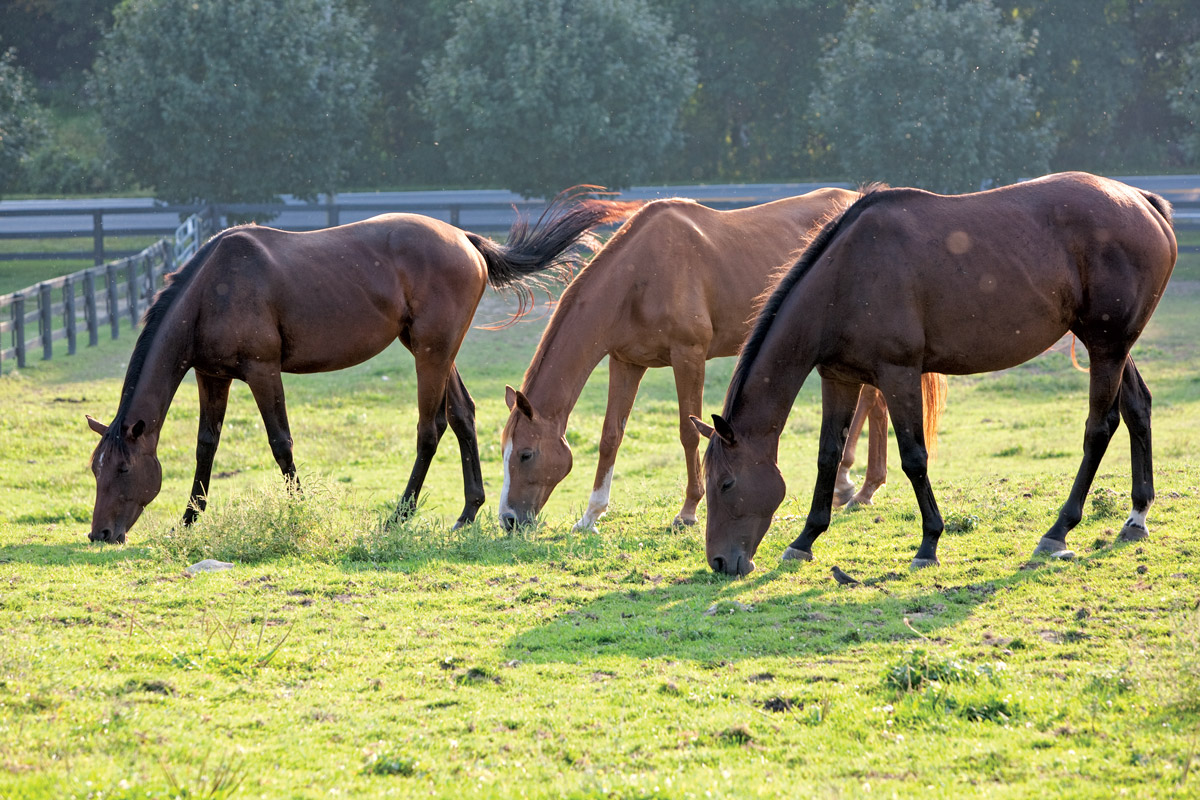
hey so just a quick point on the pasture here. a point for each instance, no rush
(343, 658)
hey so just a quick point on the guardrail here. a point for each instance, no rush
(84, 303)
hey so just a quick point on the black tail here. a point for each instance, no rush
(1161, 205)
(554, 244)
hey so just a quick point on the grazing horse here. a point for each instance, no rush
(255, 302)
(906, 282)
(674, 287)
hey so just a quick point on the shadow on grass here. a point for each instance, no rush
(713, 620)
(73, 554)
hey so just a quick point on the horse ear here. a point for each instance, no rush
(724, 430)
(135, 430)
(703, 427)
(510, 397)
(96, 425)
(521, 402)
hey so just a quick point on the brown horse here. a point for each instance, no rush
(255, 302)
(676, 286)
(906, 282)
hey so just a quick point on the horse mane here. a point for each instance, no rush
(872, 194)
(152, 320)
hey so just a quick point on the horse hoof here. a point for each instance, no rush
(1047, 546)
(1132, 533)
(681, 522)
(922, 563)
(1063, 555)
(843, 497)
(795, 554)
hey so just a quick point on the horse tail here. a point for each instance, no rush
(1161, 205)
(554, 244)
(933, 396)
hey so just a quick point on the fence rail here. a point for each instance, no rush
(87, 303)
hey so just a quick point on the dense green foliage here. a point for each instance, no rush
(20, 123)
(457, 96)
(231, 101)
(926, 94)
(536, 95)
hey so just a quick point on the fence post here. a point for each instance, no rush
(131, 287)
(98, 237)
(69, 312)
(89, 307)
(454, 215)
(114, 303)
(18, 311)
(46, 320)
(331, 212)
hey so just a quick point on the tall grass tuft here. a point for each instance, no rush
(270, 522)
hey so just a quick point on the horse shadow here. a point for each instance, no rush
(710, 620)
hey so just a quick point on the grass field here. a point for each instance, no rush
(339, 658)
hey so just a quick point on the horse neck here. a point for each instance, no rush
(787, 355)
(164, 361)
(573, 344)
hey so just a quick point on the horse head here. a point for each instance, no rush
(536, 459)
(128, 477)
(744, 487)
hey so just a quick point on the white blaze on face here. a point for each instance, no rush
(507, 479)
(597, 504)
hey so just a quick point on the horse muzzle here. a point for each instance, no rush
(107, 536)
(739, 565)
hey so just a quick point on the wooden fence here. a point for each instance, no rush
(81, 306)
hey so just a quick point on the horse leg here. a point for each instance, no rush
(688, 364)
(876, 477)
(1134, 400)
(460, 409)
(214, 397)
(623, 381)
(903, 392)
(432, 381)
(844, 487)
(838, 401)
(267, 388)
(1104, 415)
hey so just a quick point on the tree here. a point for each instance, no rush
(1185, 101)
(914, 92)
(536, 95)
(20, 119)
(758, 66)
(235, 100)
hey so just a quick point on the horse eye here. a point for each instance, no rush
(727, 484)
(123, 469)
(526, 455)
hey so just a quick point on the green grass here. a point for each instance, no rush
(342, 657)
(16, 275)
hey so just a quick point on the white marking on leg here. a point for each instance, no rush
(1137, 519)
(597, 504)
(504, 486)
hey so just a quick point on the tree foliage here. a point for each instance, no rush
(235, 100)
(536, 95)
(917, 92)
(1185, 100)
(20, 118)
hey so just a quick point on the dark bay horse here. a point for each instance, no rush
(906, 282)
(255, 302)
(674, 287)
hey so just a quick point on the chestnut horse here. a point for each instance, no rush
(255, 302)
(674, 287)
(956, 285)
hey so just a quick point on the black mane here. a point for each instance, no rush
(152, 320)
(873, 194)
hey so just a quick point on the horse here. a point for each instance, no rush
(905, 282)
(674, 287)
(255, 302)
